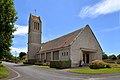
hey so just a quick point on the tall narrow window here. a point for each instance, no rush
(34, 25)
(38, 26)
(56, 55)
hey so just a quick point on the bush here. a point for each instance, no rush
(97, 64)
(38, 63)
(60, 64)
(26, 62)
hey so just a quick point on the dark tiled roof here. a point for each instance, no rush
(60, 42)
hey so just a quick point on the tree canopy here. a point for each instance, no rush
(112, 57)
(22, 54)
(7, 19)
(104, 56)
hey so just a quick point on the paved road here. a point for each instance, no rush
(35, 73)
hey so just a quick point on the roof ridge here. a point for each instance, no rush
(78, 35)
(63, 35)
(60, 42)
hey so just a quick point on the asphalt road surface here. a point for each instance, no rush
(36, 73)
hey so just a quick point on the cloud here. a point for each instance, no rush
(101, 8)
(21, 30)
(18, 50)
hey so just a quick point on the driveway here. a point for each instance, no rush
(35, 73)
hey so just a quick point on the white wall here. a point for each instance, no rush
(85, 40)
(64, 57)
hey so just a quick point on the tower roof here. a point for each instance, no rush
(35, 18)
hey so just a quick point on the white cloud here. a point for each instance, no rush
(18, 50)
(101, 8)
(21, 30)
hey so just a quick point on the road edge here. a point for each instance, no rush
(18, 74)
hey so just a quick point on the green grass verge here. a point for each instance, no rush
(96, 71)
(46, 67)
(3, 72)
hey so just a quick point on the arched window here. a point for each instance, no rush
(36, 26)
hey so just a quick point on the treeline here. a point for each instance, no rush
(111, 57)
(10, 58)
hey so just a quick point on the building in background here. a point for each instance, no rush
(77, 46)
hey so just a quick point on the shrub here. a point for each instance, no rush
(60, 64)
(97, 64)
(38, 63)
(25, 62)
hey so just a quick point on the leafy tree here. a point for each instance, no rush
(22, 54)
(7, 55)
(104, 56)
(118, 56)
(7, 19)
(112, 57)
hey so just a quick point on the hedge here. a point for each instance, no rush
(38, 63)
(60, 64)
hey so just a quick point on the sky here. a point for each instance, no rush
(60, 17)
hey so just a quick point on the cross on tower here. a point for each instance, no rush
(35, 11)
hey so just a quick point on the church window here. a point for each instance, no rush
(56, 55)
(62, 54)
(38, 26)
(48, 56)
(42, 56)
(34, 25)
(67, 53)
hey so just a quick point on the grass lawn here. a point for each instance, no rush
(96, 71)
(46, 67)
(3, 72)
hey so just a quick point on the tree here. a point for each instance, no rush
(118, 56)
(22, 54)
(7, 20)
(112, 57)
(104, 56)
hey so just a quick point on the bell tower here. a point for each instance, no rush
(34, 37)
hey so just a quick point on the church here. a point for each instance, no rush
(79, 45)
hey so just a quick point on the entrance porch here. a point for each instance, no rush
(88, 55)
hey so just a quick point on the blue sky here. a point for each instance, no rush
(60, 17)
